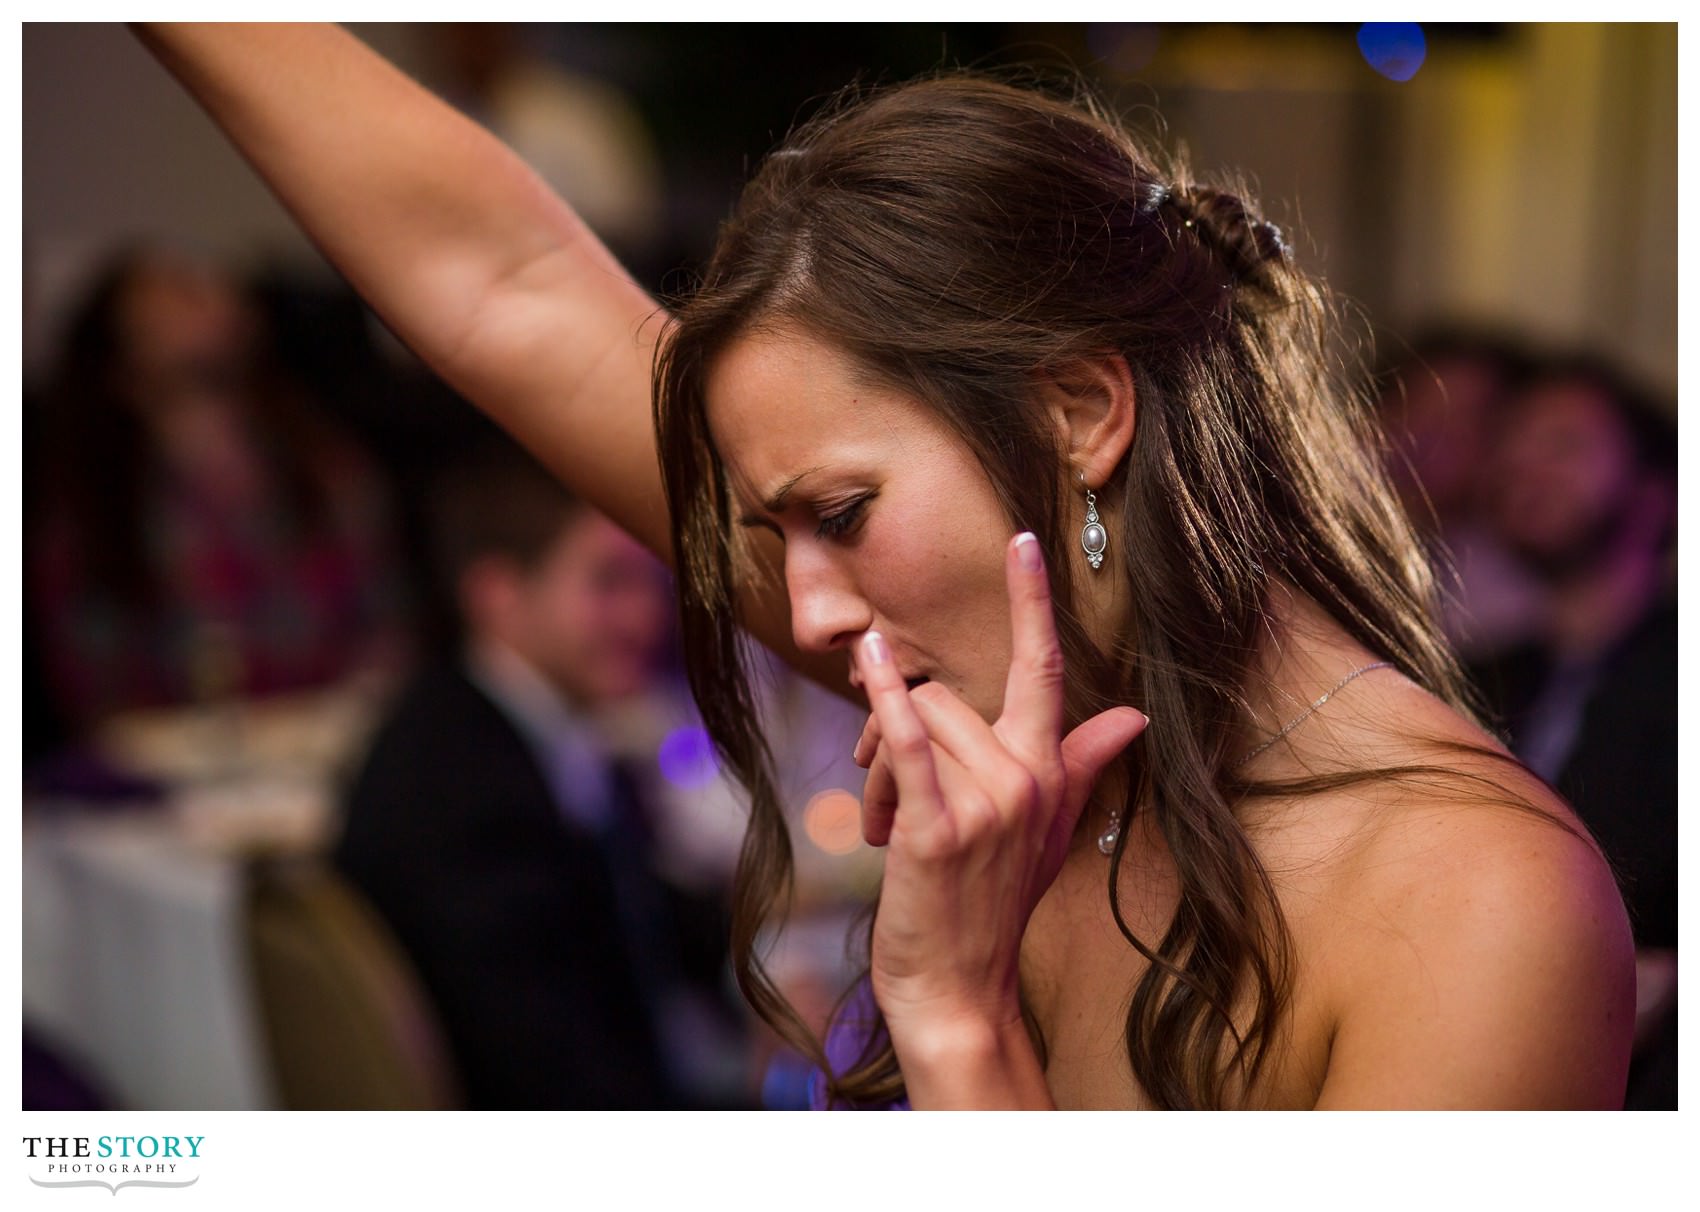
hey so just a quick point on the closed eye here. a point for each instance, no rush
(840, 524)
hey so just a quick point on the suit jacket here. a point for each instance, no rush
(1620, 774)
(507, 911)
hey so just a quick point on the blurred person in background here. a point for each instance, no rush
(509, 849)
(196, 529)
(1441, 405)
(1582, 489)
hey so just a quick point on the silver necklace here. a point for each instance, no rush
(1108, 839)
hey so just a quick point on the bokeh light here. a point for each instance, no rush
(832, 820)
(1396, 49)
(686, 758)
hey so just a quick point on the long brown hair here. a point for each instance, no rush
(956, 236)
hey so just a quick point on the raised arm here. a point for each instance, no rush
(469, 258)
(463, 251)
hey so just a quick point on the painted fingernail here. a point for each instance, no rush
(874, 649)
(1027, 551)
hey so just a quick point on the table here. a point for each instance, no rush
(133, 959)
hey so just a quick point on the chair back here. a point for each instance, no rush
(345, 1019)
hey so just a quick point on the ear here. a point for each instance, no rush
(1091, 400)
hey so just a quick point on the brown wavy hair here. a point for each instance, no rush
(956, 236)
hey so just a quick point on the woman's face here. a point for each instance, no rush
(188, 339)
(887, 519)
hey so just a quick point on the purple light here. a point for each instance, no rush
(686, 758)
(1394, 48)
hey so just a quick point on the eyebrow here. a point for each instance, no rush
(776, 502)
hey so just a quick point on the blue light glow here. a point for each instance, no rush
(686, 758)
(1394, 48)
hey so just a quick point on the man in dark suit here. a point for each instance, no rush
(489, 825)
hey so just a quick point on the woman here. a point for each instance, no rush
(952, 314)
(200, 532)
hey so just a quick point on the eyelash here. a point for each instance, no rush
(840, 524)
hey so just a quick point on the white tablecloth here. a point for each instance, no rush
(133, 961)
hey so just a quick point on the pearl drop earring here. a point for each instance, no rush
(1093, 540)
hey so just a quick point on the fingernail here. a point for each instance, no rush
(1027, 551)
(874, 649)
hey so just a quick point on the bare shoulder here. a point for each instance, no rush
(1476, 948)
(1487, 858)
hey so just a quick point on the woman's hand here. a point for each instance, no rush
(981, 822)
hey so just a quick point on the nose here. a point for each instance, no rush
(828, 610)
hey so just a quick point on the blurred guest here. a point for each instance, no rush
(1441, 407)
(495, 831)
(1583, 487)
(196, 530)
